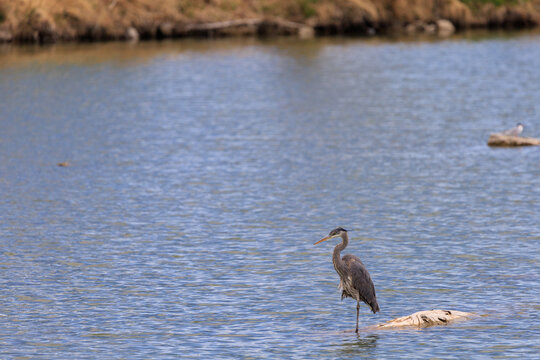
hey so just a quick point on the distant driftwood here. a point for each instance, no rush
(221, 25)
(499, 139)
(259, 26)
(425, 318)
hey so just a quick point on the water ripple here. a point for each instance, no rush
(201, 177)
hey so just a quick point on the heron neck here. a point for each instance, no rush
(336, 258)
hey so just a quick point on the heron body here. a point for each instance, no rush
(359, 287)
(515, 131)
(355, 281)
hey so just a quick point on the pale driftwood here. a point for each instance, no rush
(222, 25)
(256, 25)
(425, 318)
(499, 139)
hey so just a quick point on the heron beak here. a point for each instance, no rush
(323, 239)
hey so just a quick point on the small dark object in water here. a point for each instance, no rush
(64, 164)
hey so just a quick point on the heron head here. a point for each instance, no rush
(519, 125)
(333, 234)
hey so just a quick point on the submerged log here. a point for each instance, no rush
(499, 139)
(426, 318)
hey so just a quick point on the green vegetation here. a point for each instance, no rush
(307, 8)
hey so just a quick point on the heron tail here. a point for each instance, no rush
(374, 307)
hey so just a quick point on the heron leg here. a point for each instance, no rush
(357, 314)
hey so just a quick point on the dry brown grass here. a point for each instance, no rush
(68, 19)
(45, 20)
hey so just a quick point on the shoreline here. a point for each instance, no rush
(132, 20)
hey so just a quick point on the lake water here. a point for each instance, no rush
(202, 172)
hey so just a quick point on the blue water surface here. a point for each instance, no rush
(201, 173)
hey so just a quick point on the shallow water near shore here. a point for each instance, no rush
(201, 173)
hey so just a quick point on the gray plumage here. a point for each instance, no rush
(515, 131)
(355, 281)
(358, 284)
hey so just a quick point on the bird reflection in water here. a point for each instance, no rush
(361, 345)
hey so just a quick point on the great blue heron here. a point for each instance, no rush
(515, 131)
(355, 281)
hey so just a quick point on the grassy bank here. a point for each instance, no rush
(55, 20)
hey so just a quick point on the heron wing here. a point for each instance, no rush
(362, 281)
